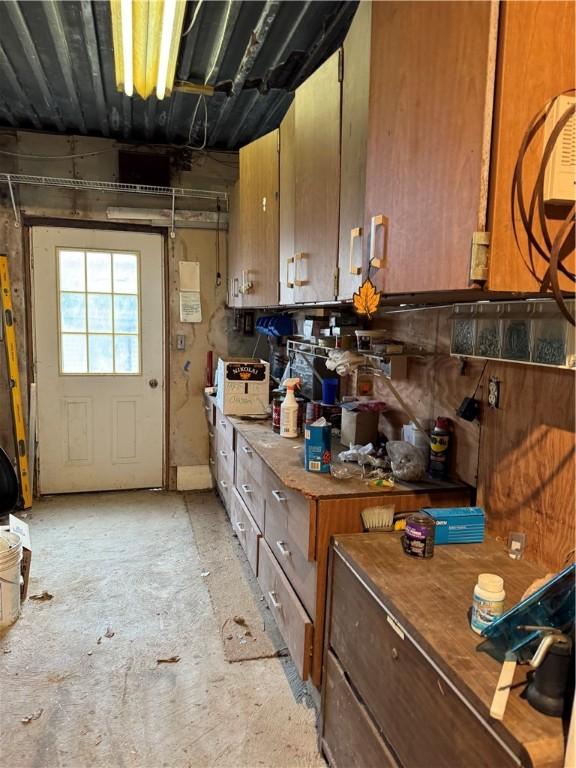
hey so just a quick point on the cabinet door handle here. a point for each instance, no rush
(211, 460)
(247, 449)
(240, 528)
(246, 488)
(275, 603)
(298, 280)
(224, 484)
(284, 551)
(207, 408)
(290, 260)
(378, 221)
(211, 433)
(235, 292)
(278, 496)
(354, 233)
(223, 454)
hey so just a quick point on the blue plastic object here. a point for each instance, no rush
(329, 391)
(550, 606)
(275, 325)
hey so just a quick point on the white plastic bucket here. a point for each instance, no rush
(10, 557)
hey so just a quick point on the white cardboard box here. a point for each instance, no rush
(243, 386)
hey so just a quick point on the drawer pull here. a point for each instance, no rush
(240, 528)
(207, 408)
(246, 488)
(275, 603)
(283, 549)
(278, 496)
(224, 484)
(247, 449)
(353, 269)
(395, 654)
(378, 221)
(211, 460)
(211, 433)
(223, 423)
(223, 454)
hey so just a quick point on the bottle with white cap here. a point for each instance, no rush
(488, 601)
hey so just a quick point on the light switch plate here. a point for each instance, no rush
(180, 342)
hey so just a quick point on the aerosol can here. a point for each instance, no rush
(289, 410)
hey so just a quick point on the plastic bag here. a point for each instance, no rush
(407, 461)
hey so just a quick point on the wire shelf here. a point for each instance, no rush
(112, 186)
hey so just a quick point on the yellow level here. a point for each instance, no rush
(15, 391)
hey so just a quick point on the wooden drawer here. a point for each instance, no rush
(224, 432)
(349, 737)
(225, 484)
(293, 622)
(246, 529)
(209, 410)
(249, 459)
(225, 454)
(287, 531)
(251, 492)
(415, 707)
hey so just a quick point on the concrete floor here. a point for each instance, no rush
(128, 563)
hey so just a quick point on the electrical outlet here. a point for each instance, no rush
(493, 393)
(180, 342)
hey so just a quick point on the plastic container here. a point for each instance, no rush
(289, 410)
(487, 602)
(365, 339)
(516, 332)
(463, 329)
(329, 391)
(10, 557)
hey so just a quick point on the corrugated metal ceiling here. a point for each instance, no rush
(57, 69)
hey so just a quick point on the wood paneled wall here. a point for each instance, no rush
(521, 456)
(435, 386)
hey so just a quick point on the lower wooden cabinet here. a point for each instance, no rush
(350, 737)
(404, 682)
(293, 621)
(246, 530)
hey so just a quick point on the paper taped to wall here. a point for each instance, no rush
(190, 307)
(189, 275)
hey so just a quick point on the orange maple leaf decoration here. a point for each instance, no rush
(367, 299)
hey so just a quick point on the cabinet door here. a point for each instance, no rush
(287, 202)
(259, 192)
(430, 100)
(535, 63)
(355, 88)
(317, 126)
(234, 248)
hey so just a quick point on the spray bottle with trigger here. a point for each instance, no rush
(289, 410)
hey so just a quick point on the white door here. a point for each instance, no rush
(98, 325)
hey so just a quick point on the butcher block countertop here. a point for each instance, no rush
(285, 457)
(431, 598)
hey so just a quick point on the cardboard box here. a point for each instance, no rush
(457, 525)
(317, 448)
(358, 427)
(243, 386)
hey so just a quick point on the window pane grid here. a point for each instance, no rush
(99, 312)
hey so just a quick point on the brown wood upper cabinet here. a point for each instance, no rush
(317, 184)
(254, 282)
(355, 88)
(431, 85)
(287, 202)
(536, 55)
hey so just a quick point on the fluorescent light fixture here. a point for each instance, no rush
(146, 37)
